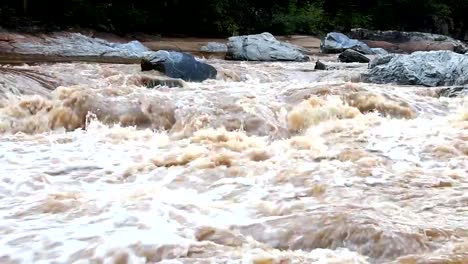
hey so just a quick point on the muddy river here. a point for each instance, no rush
(271, 163)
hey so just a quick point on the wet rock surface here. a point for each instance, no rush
(178, 65)
(457, 91)
(350, 55)
(319, 65)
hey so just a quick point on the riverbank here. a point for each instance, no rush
(17, 48)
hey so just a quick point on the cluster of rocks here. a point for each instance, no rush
(429, 68)
(259, 47)
(438, 67)
(415, 58)
(351, 50)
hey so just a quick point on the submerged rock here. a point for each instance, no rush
(335, 42)
(433, 68)
(407, 42)
(178, 65)
(155, 81)
(263, 47)
(454, 91)
(350, 55)
(320, 65)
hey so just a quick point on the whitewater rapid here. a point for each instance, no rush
(269, 163)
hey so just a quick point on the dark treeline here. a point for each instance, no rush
(230, 17)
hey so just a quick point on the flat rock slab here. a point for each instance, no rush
(408, 42)
(69, 45)
(432, 68)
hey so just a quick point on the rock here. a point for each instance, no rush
(456, 91)
(408, 42)
(214, 47)
(336, 42)
(432, 68)
(16, 81)
(219, 236)
(381, 60)
(379, 51)
(350, 55)
(76, 45)
(155, 81)
(178, 65)
(262, 47)
(320, 65)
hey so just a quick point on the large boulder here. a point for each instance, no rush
(335, 42)
(178, 65)
(350, 55)
(431, 68)
(263, 47)
(407, 42)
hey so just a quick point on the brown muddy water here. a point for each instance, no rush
(270, 163)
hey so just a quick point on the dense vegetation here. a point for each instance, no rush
(228, 17)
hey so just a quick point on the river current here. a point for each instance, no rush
(269, 163)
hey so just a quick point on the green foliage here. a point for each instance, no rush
(297, 19)
(232, 17)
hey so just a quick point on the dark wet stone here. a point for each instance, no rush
(178, 65)
(320, 65)
(350, 55)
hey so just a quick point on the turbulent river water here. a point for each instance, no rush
(269, 163)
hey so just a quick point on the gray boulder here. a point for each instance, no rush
(432, 68)
(335, 42)
(350, 55)
(178, 65)
(262, 47)
(214, 47)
